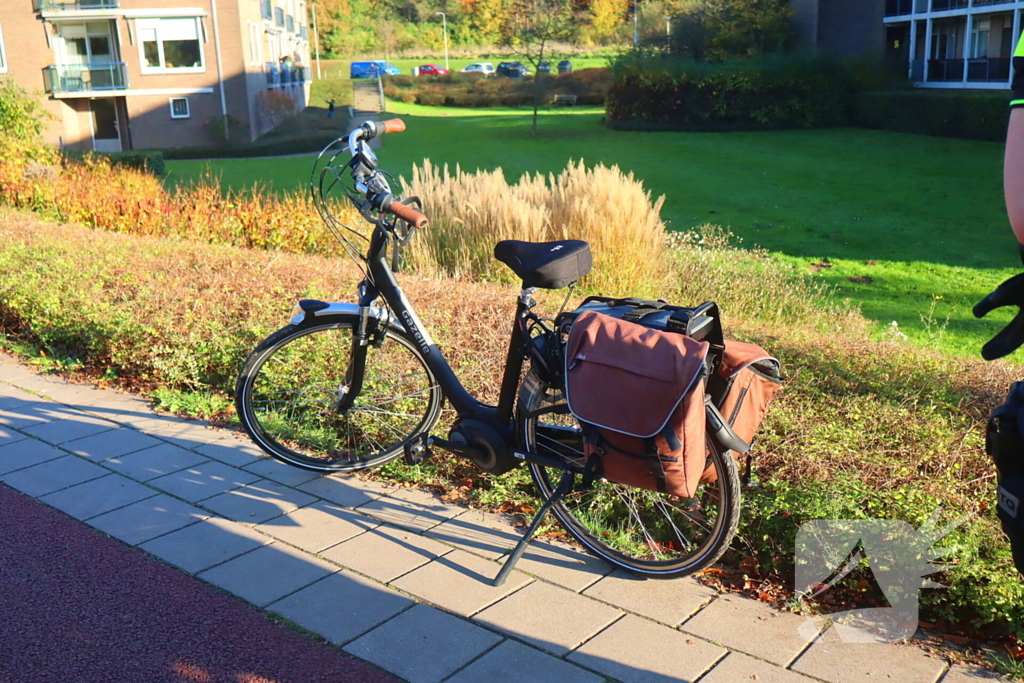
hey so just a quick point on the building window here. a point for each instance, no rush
(979, 38)
(170, 44)
(255, 35)
(3, 52)
(179, 108)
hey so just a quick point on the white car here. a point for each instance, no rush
(485, 68)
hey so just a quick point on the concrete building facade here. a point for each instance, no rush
(941, 43)
(156, 74)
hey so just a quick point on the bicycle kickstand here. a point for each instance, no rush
(563, 488)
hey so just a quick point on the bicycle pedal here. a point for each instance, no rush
(418, 450)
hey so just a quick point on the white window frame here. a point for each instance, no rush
(188, 110)
(3, 52)
(143, 24)
(255, 44)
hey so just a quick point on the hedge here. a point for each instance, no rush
(967, 115)
(280, 148)
(590, 87)
(145, 160)
(767, 92)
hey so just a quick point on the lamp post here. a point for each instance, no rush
(636, 25)
(444, 28)
(316, 43)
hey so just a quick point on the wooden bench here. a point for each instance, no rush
(564, 99)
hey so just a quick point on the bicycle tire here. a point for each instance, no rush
(611, 520)
(291, 412)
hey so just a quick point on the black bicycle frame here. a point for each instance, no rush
(382, 282)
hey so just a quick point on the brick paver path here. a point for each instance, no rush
(394, 575)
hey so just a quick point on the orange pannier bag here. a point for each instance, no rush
(639, 394)
(746, 380)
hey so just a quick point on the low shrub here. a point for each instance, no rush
(766, 92)
(119, 199)
(469, 212)
(966, 115)
(149, 161)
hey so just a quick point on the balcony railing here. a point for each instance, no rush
(279, 16)
(266, 11)
(60, 78)
(895, 8)
(988, 69)
(945, 70)
(939, 5)
(64, 5)
(279, 74)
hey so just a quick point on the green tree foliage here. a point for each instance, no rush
(714, 30)
(22, 120)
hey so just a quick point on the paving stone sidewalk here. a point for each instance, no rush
(392, 575)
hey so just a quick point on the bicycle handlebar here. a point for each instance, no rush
(372, 129)
(407, 214)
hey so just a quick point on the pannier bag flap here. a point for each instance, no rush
(741, 355)
(627, 377)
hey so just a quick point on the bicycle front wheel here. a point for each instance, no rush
(292, 397)
(645, 532)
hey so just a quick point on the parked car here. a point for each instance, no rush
(373, 69)
(512, 70)
(565, 67)
(485, 68)
(432, 70)
(544, 68)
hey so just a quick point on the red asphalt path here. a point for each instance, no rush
(79, 607)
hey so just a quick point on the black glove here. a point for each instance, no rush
(1010, 293)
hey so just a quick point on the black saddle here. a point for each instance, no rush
(547, 265)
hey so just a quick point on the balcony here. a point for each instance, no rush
(988, 70)
(279, 16)
(895, 8)
(273, 74)
(945, 70)
(73, 78)
(266, 11)
(66, 5)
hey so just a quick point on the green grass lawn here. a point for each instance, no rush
(917, 222)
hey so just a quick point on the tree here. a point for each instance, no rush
(607, 17)
(721, 29)
(536, 25)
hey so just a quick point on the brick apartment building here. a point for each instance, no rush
(941, 43)
(150, 74)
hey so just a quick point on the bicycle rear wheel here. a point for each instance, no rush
(645, 532)
(291, 397)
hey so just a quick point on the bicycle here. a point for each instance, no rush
(351, 386)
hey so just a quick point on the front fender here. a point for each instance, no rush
(308, 310)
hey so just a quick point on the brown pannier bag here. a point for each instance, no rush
(639, 394)
(746, 380)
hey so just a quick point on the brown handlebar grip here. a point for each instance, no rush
(394, 126)
(408, 214)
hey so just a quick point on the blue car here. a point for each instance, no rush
(373, 69)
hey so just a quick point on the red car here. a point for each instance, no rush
(432, 70)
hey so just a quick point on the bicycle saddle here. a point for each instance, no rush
(1010, 293)
(547, 265)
